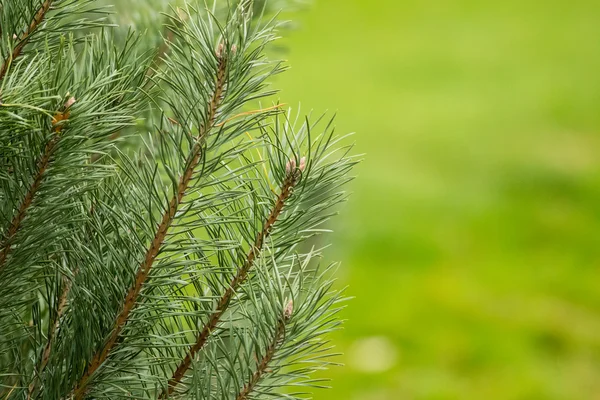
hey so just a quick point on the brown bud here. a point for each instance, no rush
(234, 49)
(289, 309)
(62, 115)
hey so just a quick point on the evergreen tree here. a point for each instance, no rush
(182, 267)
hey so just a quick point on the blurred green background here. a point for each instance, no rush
(472, 240)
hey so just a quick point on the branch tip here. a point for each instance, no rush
(255, 250)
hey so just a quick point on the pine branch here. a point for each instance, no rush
(262, 367)
(186, 251)
(35, 22)
(43, 163)
(60, 309)
(291, 179)
(163, 228)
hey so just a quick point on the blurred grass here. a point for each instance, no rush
(472, 240)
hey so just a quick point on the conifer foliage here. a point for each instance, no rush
(185, 266)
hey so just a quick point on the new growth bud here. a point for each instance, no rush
(289, 309)
(62, 115)
(290, 167)
(233, 49)
(70, 102)
(220, 49)
(302, 166)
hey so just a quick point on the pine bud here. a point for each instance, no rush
(70, 102)
(220, 49)
(290, 166)
(234, 49)
(289, 309)
(302, 166)
(62, 115)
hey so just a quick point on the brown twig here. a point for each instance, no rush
(35, 22)
(262, 366)
(57, 127)
(292, 177)
(62, 302)
(162, 230)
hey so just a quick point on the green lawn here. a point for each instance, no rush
(472, 240)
